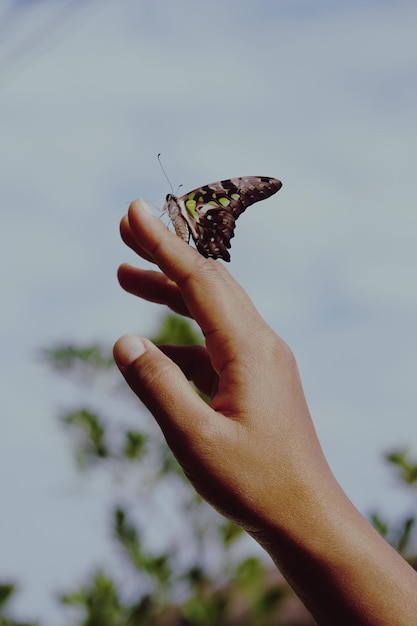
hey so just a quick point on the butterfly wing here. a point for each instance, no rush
(210, 212)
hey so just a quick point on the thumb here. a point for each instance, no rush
(161, 386)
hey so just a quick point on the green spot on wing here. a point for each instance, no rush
(191, 205)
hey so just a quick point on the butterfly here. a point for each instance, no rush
(209, 213)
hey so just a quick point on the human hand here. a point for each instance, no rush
(252, 452)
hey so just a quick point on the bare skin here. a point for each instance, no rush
(253, 453)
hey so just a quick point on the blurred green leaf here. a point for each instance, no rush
(271, 599)
(177, 330)
(66, 357)
(196, 576)
(135, 444)
(379, 524)
(156, 566)
(404, 535)
(90, 431)
(249, 572)
(99, 600)
(229, 532)
(210, 610)
(407, 467)
(398, 535)
(6, 592)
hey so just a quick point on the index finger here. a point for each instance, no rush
(213, 297)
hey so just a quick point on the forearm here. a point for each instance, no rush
(341, 568)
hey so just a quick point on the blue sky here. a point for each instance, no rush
(321, 95)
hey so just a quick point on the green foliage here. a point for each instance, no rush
(265, 597)
(7, 590)
(94, 443)
(229, 532)
(176, 330)
(398, 535)
(99, 602)
(66, 357)
(406, 467)
(157, 567)
(135, 443)
(401, 534)
(95, 358)
(90, 431)
(248, 599)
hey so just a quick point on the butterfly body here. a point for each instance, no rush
(209, 213)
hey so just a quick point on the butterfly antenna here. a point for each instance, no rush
(165, 174)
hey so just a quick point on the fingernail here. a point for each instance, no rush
(127, 349)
